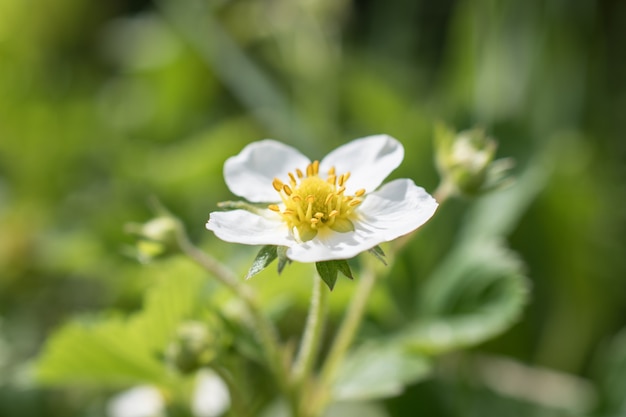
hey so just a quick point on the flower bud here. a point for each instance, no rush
(157, 237)
(194, 346)
(465, 161)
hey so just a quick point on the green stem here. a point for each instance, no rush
(268, 335)
(238, 404)
(444, 190)
(343, 339)
(312, 336)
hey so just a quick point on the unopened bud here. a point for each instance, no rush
(465, 161)
(194, 346)
(157, 237)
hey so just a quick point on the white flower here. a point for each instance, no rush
(139, 401)
(211, 397)
(325, 210)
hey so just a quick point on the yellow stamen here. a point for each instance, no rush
(278, 184)
(325, 206)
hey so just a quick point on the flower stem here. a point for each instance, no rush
(238, 404)
(312, 336)
(268, 336)
(343, 339)
(444, 190)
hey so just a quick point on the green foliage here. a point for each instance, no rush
(263, 259)
(473, 296)
(328, 271)
(117, 350)
(378, 252)
(379, 370)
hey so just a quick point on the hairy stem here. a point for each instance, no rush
(312, 336)
(343, 339)
(267, 333)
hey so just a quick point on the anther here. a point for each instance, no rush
(309, 170)
(333, 213)
(293, 179)
(315, 221)
(346, 176)
(359, 192)
(354, 203)
(287, 189)
(318, 215)
(328, 198)
(331, 171)
(299, 173)
(273, 207)
(332, 179)
(342, 179)
(316, 167)
(278, 184)
(341, 190)
(310, 198)
(296, 198)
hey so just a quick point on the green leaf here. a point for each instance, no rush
(476, 294)
(282, 259)
(266, 256)
(115, 350)
(328, 271)
(379, 254)
(377, 370)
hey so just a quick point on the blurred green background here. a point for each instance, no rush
(107, 104)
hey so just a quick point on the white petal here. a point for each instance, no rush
(241, 226)
(139, 401)
(398, 208)
(369, 160)
(330, 245)
(249, 174)
(211, 397)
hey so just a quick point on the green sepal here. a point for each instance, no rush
(283, 261)
(377, 251)
(242, 205)
(328, 271)
(266, 256)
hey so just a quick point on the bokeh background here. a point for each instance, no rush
(105, 105)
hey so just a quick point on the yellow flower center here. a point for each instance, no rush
(314, 204)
